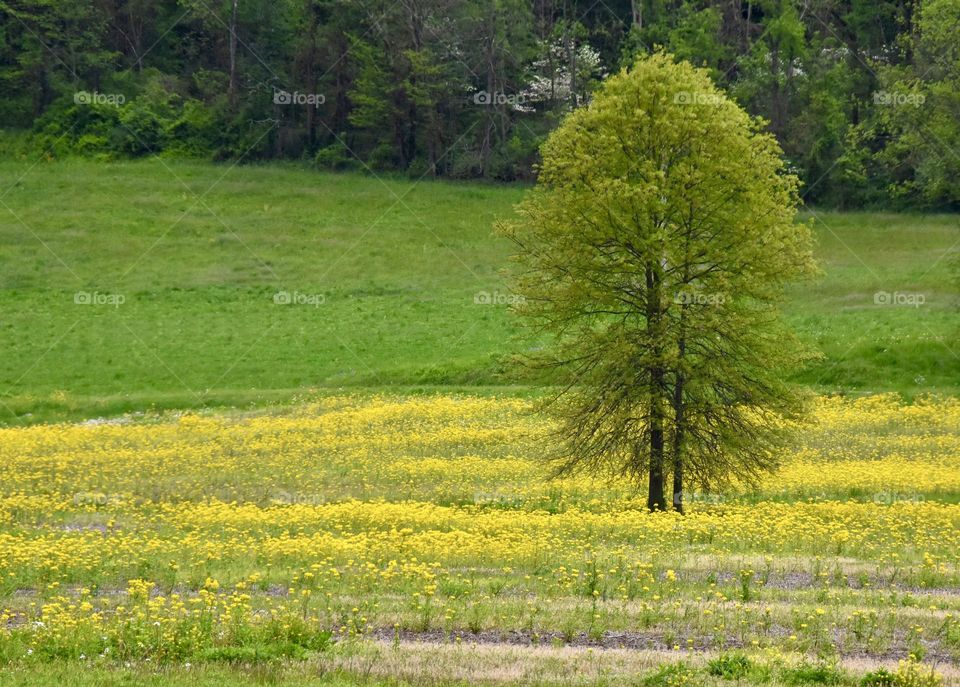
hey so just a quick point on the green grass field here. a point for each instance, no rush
(387, 274)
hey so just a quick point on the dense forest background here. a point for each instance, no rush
(864, 95)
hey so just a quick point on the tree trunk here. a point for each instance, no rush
(680, 421)
(486, 144)
(232, 93)
(655, 490)
(776, 96)
(343, 83)
(311, 79)
(679, 406)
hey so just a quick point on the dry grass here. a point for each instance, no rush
(437, 663)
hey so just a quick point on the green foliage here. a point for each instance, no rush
(142, 123)
(906, 143)
(732, 666)
(373, 109)
(335, 156)
(399, 82)
(672, 675)
(878, 678)
(195, 131)
(156, 120)
(697, 37)
(265, 652)
(653, 252)
(812, 674)
(911, 673)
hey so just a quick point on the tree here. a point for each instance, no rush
(46, 49)
(653, 253)
(914, 125)
(411, 82)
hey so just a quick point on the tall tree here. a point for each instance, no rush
(653, 253)
(914, 130)
(49, 48)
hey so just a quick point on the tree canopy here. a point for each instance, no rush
(653, 253)
(860, 95)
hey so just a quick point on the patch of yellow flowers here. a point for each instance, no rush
(170, 535)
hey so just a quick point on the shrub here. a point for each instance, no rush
(335, 156)
(256, 653)
(911, 673)
(144, 126)
(671, 675)
(878, 678)
(812, 673)
(196, 131)
(733, 666)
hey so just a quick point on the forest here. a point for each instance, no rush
(864, 97)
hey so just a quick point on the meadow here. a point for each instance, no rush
(428, 525)
(206, 286)
(258, 424)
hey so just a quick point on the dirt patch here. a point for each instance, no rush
(637, 640)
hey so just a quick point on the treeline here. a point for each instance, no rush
(864, 95)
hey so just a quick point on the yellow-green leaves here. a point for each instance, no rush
(653, 252)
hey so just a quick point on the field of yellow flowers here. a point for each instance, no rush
(429, 522)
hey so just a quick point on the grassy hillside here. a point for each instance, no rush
(387, 274)
(910, 344)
